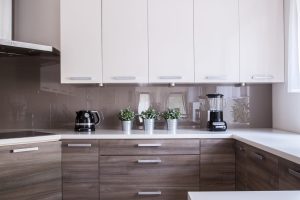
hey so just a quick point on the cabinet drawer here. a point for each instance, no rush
(80, 161)
(80, 191)
(31, 170)
(149, 147)
(289, 175)
(136, 193)
(262, 170)
(170, 170)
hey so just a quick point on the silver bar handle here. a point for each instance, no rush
(258, 156)
(170, 77)
(79, 145)
(149, 193)
(262, 76)
(79, 78)
(294, 173)
(25, 150)
(149, 161)
(215, 77)
(149, 145)
(123, 78)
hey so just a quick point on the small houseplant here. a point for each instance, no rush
(171, 116)
(126, 116)
(149, 116)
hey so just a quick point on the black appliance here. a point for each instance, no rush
(86, 120)
(215, 113)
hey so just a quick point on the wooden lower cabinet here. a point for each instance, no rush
(124, 192)
(240, 166)
(217, 165)
(289, 175)
(31, 172)
(262, 170)
(80, 163)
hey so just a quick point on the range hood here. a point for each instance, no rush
(9, 47)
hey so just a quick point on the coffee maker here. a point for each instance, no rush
(215, 113)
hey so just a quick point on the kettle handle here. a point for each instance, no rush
(100, 117)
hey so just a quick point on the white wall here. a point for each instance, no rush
(286, 106)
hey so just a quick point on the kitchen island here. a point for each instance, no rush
(264, 195)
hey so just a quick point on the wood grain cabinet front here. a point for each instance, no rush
(31, 172)
(240, 166)
(289, 175)
(262, 170)
(148, 169)
(80, 163)
(217, 165)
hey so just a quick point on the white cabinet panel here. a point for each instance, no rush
(261, 41)
(216, 41)
(81, 41)
(125, 41)
(171, 48)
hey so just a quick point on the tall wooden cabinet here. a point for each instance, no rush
(171, 48)
(31, 172)
(125, 41)
(80, 162)
(81, 46)
(216, 32)
(261, 41)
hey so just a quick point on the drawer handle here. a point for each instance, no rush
(258, 156)
(81, 78)
(215, 77)
(149, 193)
(79, 145)
(294, 173)
(123, 78)
(149, 161)
(170, 77)
(262, 76)
(149, 145)
(25, 150)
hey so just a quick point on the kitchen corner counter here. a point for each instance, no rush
(280, 143)
(273, 195)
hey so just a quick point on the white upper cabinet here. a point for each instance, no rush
(171, 48)
(81, 41)
(261, 41)
(216, 41)
(125, 41)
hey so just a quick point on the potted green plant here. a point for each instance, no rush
(126, 116)
(149, 116)
(171, 116)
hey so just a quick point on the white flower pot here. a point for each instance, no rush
(149, 126)
(172, 125)
(127, 126)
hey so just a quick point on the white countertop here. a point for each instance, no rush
(276, 195)
(281, 143)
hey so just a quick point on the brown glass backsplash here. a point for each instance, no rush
(32, 97)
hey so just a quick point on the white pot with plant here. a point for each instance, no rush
(171, 116)
(149, 116)
(126, 116)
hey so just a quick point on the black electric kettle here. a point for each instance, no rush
(87, 120)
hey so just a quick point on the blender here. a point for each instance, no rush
(215, 113)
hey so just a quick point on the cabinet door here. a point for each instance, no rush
(80, 162)
(217, 165)
(261, 41)
(289, 175)
(31, 171)
(171, 49)
(125, 41)
(216, 41)
(262, 170)
(240, 166)
(81, 41)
